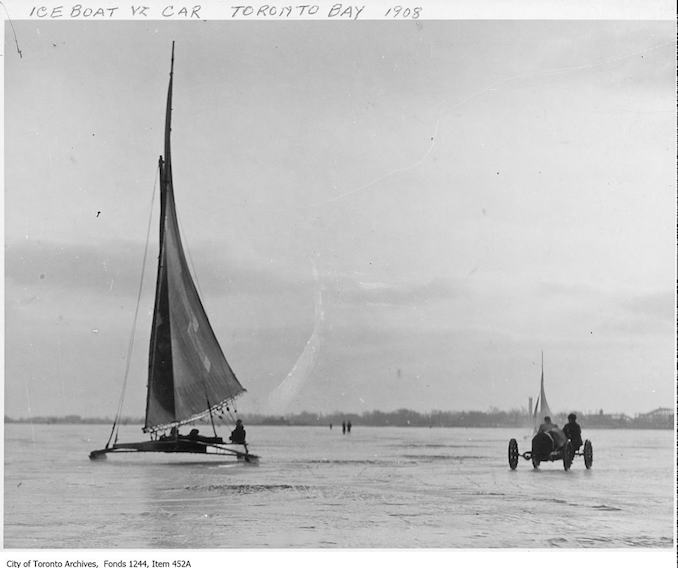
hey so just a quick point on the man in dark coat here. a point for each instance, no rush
(573, 431)
(238, 434)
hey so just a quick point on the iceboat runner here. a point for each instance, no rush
(189, 378)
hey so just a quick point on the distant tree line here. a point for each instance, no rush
(493, 418)
(70, 419)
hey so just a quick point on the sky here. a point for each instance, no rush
(378, 215)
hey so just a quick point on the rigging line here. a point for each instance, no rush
(130, 347)
(214, 428)
(230, 414)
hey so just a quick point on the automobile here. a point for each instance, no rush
(545, 449)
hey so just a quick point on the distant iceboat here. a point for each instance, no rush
(188, 375)
(541, 408)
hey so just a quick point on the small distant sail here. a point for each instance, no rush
(541, 408)
(285, 393)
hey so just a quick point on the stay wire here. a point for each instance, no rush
(233, 417)
(130, 346)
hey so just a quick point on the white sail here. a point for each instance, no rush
(541, 408)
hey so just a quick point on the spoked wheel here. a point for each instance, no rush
(513, 453)
(588, 454)
(573, 452)
(567, 455)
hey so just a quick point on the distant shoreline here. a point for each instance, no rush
(661, 418)
(140, 424)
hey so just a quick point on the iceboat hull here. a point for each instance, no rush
(176, 446)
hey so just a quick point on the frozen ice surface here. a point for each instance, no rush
(314, 487)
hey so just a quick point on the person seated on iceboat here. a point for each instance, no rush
(194, 436)
(173, 435)
(556, 434)
(238, 434)
(572, 431)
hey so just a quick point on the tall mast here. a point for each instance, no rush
(166, 160)
(168, 124)
(161, 358)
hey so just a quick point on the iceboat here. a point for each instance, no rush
(189, 378)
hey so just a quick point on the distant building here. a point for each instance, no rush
(657, 418)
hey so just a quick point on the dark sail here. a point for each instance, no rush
(188, 375)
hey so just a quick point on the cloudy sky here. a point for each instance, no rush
(406, 214)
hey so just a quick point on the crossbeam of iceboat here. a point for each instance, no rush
(178, 445)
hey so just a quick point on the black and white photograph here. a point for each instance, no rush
(337, 276)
